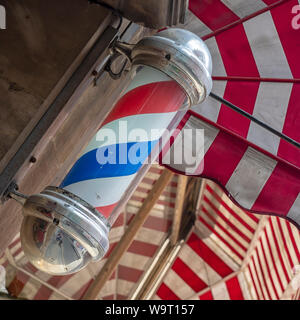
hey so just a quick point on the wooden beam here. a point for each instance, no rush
(126, 240)
(179, 202)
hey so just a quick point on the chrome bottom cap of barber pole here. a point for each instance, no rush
(61, 233)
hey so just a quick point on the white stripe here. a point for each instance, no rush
(260, 275)
(235, 208)
(220, 243)
(146, 75)
(270, 107)
(249, 177)
(133, 260)
(150, 236)
(287, 237)
(270, 264)
(266, 47)
(220, 292)
(30, 289)
(74, 284)
(218, 251)
(256, 281)
(223, 223)
(294, 212)
(178, 285)
(250, 284)
(148, 124)
(197, 265)
(195, 25)
(210, 108)
(200, 148)
(265, 273)
(124, 287)
(243, 286)
(101, 192)
(108, 289)
(283, 252)
(275, 255)
(116, 233)
(244, 8)
(217, 61)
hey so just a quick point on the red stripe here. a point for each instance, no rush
(106, 210)
(238, 60)
(289, 37)
(224, 229)
(279, 252)
(291, 129)
(253, 282)
(17, 252)
(296, 247)
(151, 182)
(153, 223)
(43, 293)
(162, 202)
(235, 228)
(225, 149)
(206, 296)
(290, 42)
(80, 293)
(203, 251)
(155, 170)
(111, 247)
(129, 274)
(165, 193)
(270, 2)
(285, 181)
(255, 79)
(158, 97)
(119, 221)
(234, 289)
(258, 278)
(273, 261)
(14, 243)
(18, 283)
(284, 242)
(165, 293)
(273, 4)
(188, 275)
(143, 248)
(215, 194)
(220, 237)
(214, 14)
(268, 268)
(263, 273)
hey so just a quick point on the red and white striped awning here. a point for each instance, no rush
(230, 253)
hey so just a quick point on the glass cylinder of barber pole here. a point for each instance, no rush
(67, 226)
(113, 157)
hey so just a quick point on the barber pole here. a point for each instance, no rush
(106, 167)
(66, 227)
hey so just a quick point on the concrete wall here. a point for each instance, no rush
(44, 43)
(41, 41)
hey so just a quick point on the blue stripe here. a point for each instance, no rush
(106, 162)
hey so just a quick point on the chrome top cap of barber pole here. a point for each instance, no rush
(181, 55)
(61, 233)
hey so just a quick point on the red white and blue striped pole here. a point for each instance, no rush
(64, 228)
(150, 103)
